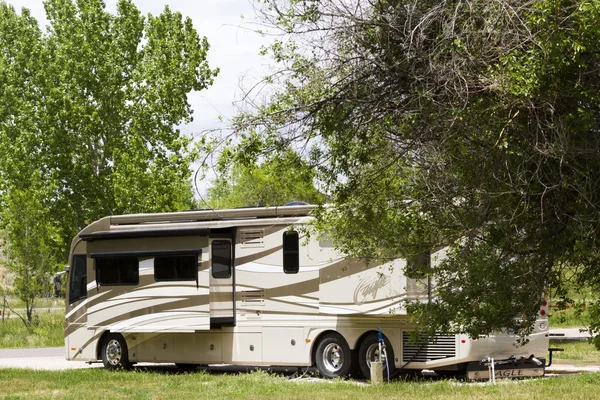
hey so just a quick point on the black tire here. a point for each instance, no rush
(186, 367)
(114, 352)
(333, 356)
(369, 350)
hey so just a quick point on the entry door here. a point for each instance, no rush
(77, 334)
(222, 283)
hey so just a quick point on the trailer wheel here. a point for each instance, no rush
(369, 352)
(114, 352)
(333, 356)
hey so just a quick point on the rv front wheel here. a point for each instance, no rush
(114, 352)
(333, 356)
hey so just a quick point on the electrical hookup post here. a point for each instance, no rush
(377, 366)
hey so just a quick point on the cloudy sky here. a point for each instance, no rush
(234, 49)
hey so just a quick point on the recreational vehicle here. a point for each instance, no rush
(249, 287)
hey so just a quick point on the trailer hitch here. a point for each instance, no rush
(552, 350)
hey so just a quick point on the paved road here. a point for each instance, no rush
(569, 334)
(52, 358)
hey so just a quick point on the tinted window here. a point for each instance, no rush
(176, 268)
(221, 259)
(418, 265)
(117, 271)
(78, 278)
(291, 254)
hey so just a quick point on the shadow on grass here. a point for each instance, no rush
(287, 372)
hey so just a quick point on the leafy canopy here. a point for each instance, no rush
(92, 105)
(472, 125)
(273, 181)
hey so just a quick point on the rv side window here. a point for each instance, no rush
(78, 278)
(418, 265)
(291, 254)
(176, 268)
(221, 259)
(117, 271)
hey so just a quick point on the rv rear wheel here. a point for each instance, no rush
(369, 352)
(114, 352)
(333, 356)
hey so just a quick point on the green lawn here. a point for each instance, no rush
(160, 383)
(100, 384)
(576, 353)
(96, 383)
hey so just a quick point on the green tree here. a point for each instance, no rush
(472, 125)
(275, 181)
(89, 116)
(93, 104)
(30, 245)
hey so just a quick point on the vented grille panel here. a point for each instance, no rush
(252, 238)
(436, 348)
(252, 296)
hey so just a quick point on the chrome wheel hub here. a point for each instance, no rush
(114, 352)
(333, 357)
(373, 354)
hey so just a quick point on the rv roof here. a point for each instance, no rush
(214, 215)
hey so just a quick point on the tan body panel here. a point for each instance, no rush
(276, 318)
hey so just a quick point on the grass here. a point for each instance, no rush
(47, 330)
(568, 318)
(96, 383)
(101, 384)
(576, 353)
(40, 303)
